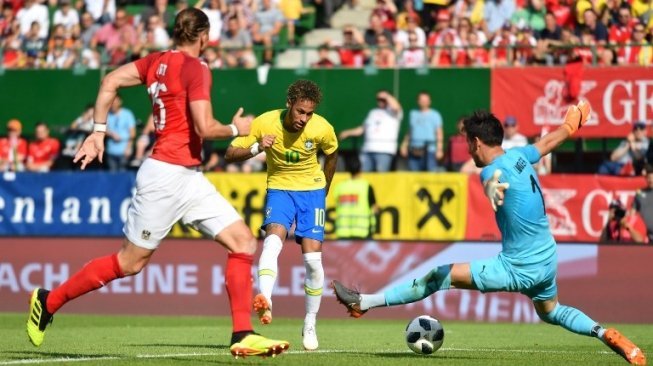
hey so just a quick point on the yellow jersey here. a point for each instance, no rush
(292, 160)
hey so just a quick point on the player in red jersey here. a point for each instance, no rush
(169, 185)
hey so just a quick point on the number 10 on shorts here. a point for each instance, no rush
(319, 217)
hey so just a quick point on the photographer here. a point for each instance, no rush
(643, 203)
(623, 226)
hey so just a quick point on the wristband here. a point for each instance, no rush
(234, 130)
(99, 127)
(254, 149)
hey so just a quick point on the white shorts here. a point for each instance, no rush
(167, 193)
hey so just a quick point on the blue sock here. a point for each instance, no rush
(438, 279)
(573, 320)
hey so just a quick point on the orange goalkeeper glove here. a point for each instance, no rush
(576, 116)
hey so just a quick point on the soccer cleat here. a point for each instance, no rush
(38, 317)
(257, 345)
(309, 338)
(350, 298)
(263, 309)
(624, 347)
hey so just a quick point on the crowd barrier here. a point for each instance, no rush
(413, 206)
(186, 277)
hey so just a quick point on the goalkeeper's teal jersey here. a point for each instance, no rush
(526, 237)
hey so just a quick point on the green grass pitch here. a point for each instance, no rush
(149, 340)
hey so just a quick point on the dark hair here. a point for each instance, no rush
(189, 25)
(484, 125)
(353, 165)
(304, 90)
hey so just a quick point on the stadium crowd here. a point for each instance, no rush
(409, 33)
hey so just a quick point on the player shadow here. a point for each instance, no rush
(207, 346)
(441, 356)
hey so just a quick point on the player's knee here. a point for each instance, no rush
(548, 317)
(245, 244)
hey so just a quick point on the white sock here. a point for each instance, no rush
(369, 301)
(267, 265)
(313, 284)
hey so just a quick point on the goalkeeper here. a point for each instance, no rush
(527, 262)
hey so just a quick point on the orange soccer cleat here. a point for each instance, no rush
(263, 309)
(624, 347)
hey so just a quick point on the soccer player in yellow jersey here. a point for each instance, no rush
(296, 190)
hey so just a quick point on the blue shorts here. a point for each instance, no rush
(497, 274)
(304, 208)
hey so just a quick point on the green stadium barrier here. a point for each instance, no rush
(59, 96)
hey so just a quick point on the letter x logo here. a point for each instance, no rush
(435, 208)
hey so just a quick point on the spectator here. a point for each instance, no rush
(620, 34)
(457, 149)
(407, 14)
(268, 24)
(237, 46)
(472, 10)
(643, 203)
(511, 136)
(121, 130)
(629, 157)
(67, 16)
(156, 36)
(502, 52)
(386, 10)
(88, 28)
(59, 56)
(352, 51)
(43, 151)
(13, 148)
(524, 47)
(496, 14)
(423, 143)
(144, 143)
(380, 130)
(356, 206)
(79, 129)
(32, 41)
(402, 38)
(549, 38)
(532, 15)
(476, 53)
(414, 55)
(33, 11)
(623, 226)
(376, 28)
(324, 61)
(639, 51)
(384, 54)
(118, 38)
(166, 16)
(213, 58)
(595, 27)
(214, 12)
(7, 21)
(292, 11)
(103, 11)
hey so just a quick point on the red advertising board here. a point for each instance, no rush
(619, 96)
(576, 205)
(186, 277)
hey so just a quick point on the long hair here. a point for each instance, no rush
(484, 125)
(190, 23)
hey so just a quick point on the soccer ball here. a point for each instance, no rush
(424, 335)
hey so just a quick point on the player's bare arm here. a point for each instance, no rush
(209, 128)
(576, 116)
(93, 146)
(236, 154)
(330, 162)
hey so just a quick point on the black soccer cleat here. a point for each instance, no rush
(351, 299)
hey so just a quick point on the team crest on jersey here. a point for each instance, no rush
(145, 235)
(268, 212)
(309, 144)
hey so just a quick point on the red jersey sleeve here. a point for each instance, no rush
(143, 65)
(197, 81)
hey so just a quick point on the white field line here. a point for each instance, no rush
(31, 361)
